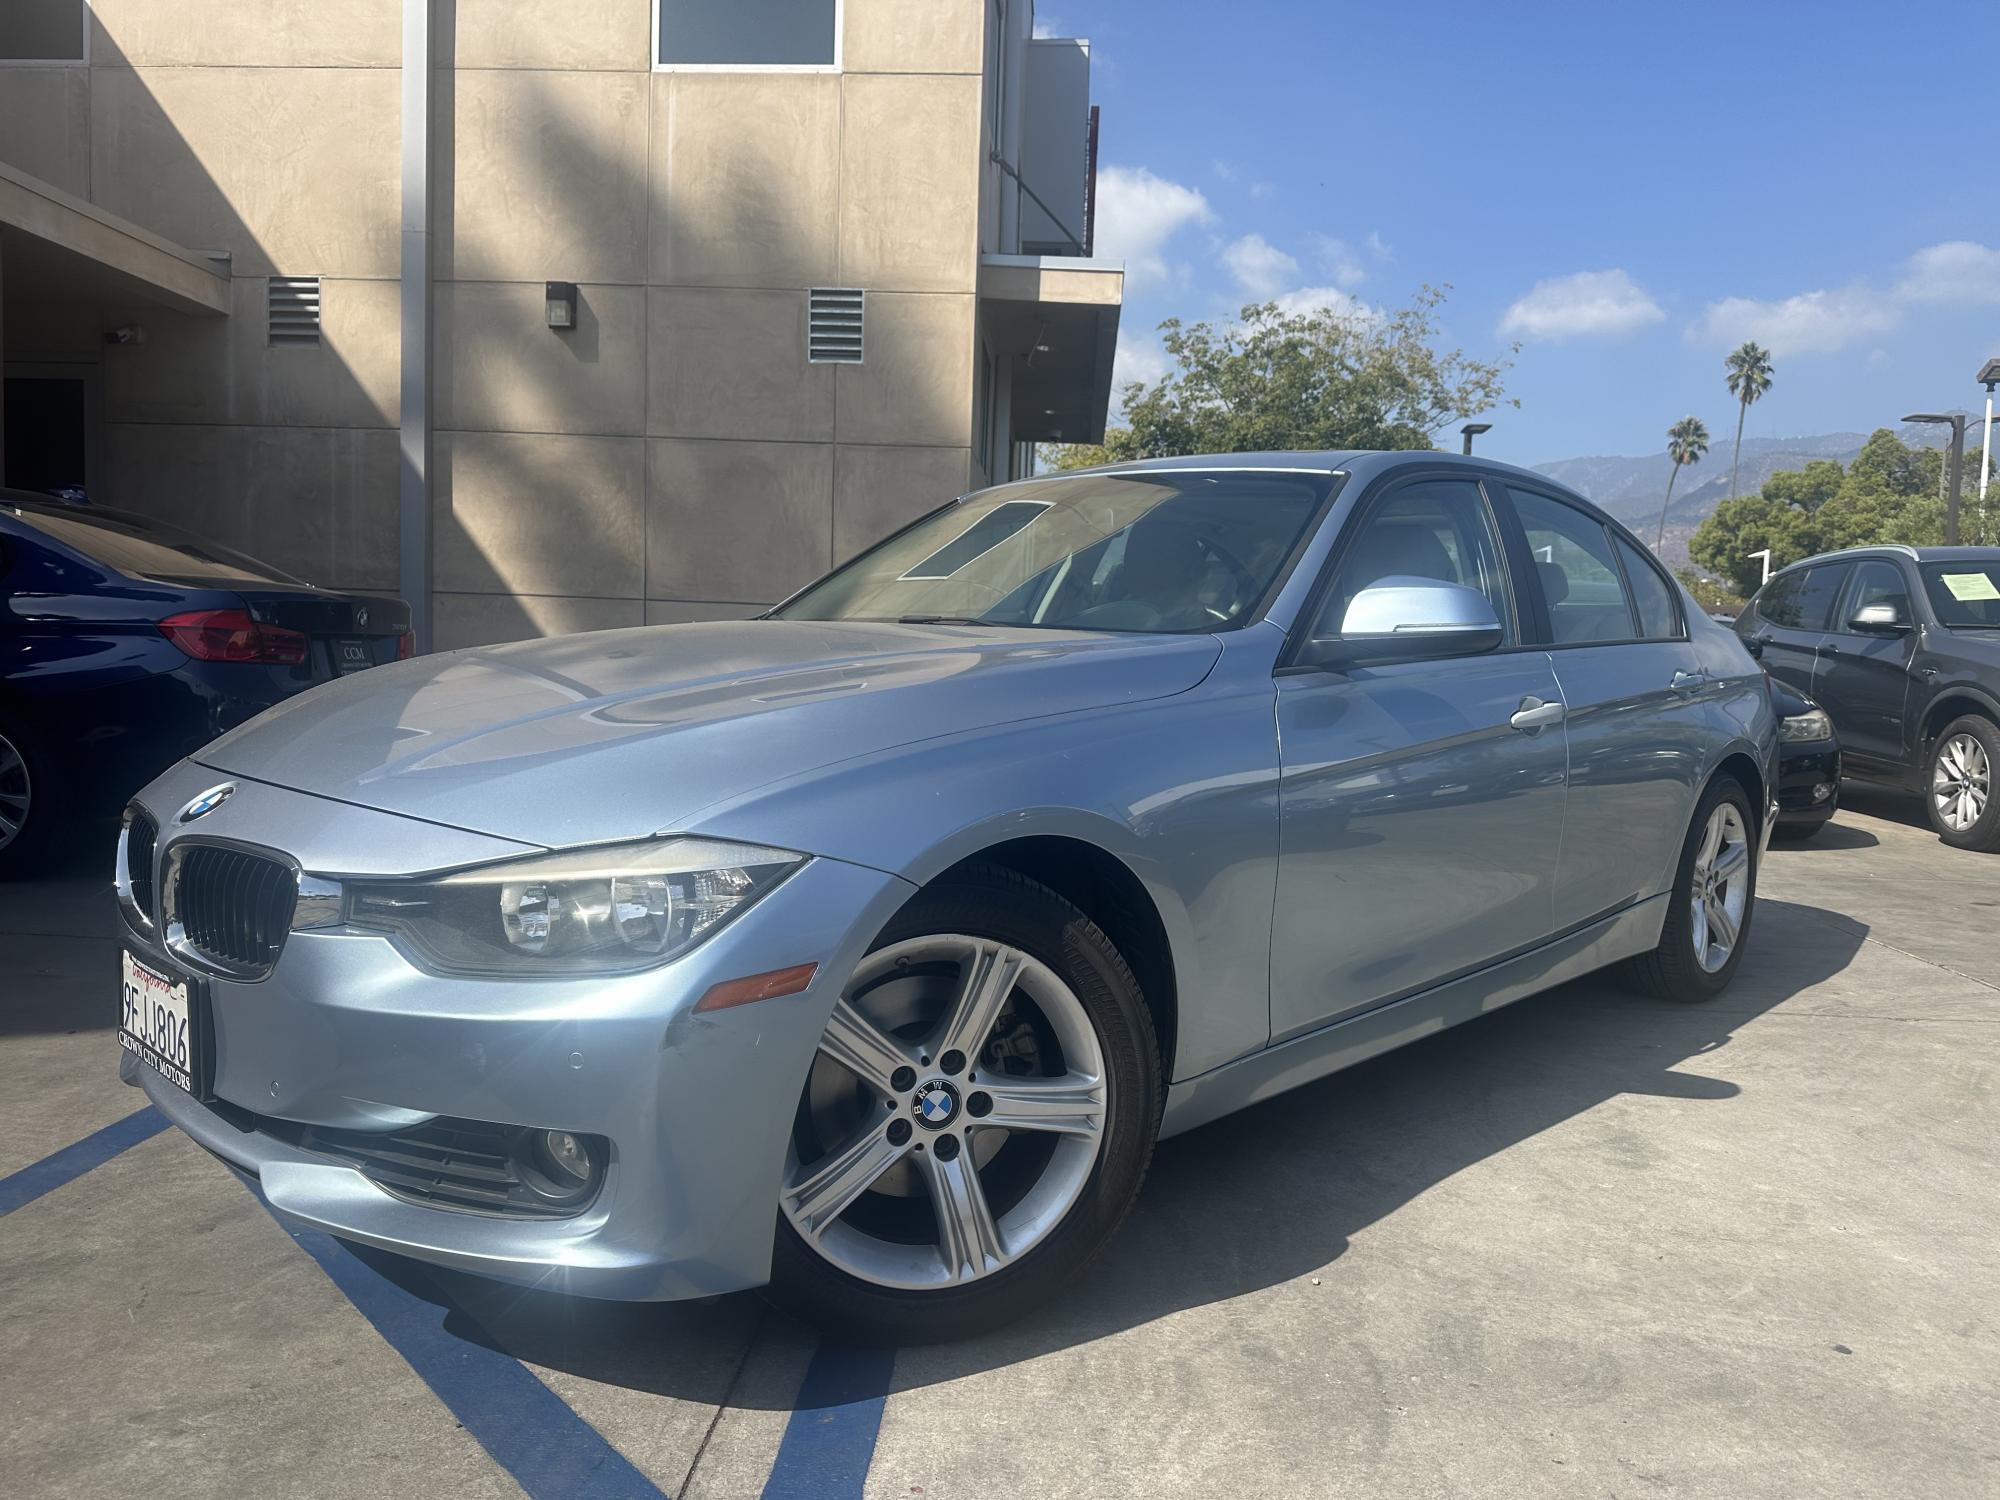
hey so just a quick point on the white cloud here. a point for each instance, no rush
(1956, 271)
(1048, 26)
(1137, 214)
(1261, 269)
(1331, 299)
(1810, 323)
(1339, 260)
(1586, 304)
(1262, 190)
(1140, 358)
(1379, 247)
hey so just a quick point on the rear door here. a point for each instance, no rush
(1638, 713)
(1792, 615)
(1863, 680)
(1419, 823)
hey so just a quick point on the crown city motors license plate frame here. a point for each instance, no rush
(163, 1020)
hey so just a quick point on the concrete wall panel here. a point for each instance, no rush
(500, 367)
(318, 502)
(463, 620)
(916, 386)
(613, 34)
(732, 363)
(550, 179)
(45, 125)
(744, 178)
(877, 490)
(531, 514)
(247, 33)
(913, 36)
(909, 183)
(293, 170)
(742, 522)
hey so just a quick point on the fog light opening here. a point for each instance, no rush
(558, 1165)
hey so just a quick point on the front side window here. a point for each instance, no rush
(1432, 529)
(1966, 595)
(1652, 595)
(1580, 583)
(749, 33)
(1875, 582)
(1152, 551)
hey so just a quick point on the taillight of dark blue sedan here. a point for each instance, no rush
(126, 644)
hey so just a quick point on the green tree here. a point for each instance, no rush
(1323, 379)
(1749, 368)
(1749, 523)
(1808, 488)
(1687, 442)
(1711, 595)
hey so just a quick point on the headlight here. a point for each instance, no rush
(605, 910)
(1810, 725)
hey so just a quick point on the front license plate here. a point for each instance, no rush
(160, 1022)
(351, 656)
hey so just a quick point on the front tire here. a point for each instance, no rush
(30, 803)
(1959, 791)
(1712, 902)
(977, 1123)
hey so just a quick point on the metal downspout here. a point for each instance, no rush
(414, 458)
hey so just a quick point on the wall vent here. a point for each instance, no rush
(293, 309)
(834, 329)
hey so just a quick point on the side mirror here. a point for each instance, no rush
(1409, 619)
(1878, 619)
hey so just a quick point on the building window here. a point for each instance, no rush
(747, 34)
(56, 31)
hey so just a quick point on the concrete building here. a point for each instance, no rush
(672, 305)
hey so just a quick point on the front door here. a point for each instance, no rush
(1863, 680)
(1791, 622)
(1419, 826)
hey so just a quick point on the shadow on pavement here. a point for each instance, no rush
(1885, 802)
(1833, 835)
(1257, 1199)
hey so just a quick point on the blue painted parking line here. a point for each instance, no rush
(530, 1431)
(70, 1163)
(836, 1417)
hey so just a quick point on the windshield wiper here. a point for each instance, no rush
(941, 620)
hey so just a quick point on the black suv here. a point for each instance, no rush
(1901, 646)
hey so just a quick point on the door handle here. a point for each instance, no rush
(1685, 681)
(1829, 649)
(1534, 715)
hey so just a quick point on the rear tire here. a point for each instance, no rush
(31, 803)
(1715, 890)
(1008, 1234)
(1959, 790)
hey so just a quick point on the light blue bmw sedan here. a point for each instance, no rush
(865, 949)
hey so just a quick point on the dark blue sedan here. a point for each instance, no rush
(126, 644)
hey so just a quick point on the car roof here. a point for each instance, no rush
(1895, 549)
(1328, 461)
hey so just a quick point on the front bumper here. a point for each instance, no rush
(1808, 783)
(698, 1108)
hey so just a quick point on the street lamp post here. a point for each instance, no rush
(1955, 421)
(1472, 430)
(1988, 376)
(1765, 554)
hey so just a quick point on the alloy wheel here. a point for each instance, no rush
(1961, 781)
(1720, 887)
(952, 1118)
(16, 792)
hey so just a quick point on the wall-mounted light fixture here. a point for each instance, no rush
(561, 301)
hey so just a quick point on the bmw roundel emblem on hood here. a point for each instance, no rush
(207, 802)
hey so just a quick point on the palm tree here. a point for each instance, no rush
(1687, 441)
(1749, 370)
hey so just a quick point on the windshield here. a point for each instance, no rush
(1966, 595)
(140, 548)
(1157, 550)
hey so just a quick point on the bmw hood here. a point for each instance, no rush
(621, 733)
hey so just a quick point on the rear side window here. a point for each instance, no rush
(1586, 598)
(1778, 602)
(1651, 595)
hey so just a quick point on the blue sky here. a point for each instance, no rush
(1630, 190)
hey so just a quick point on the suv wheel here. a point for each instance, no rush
(1960, 791)
(28, 802)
